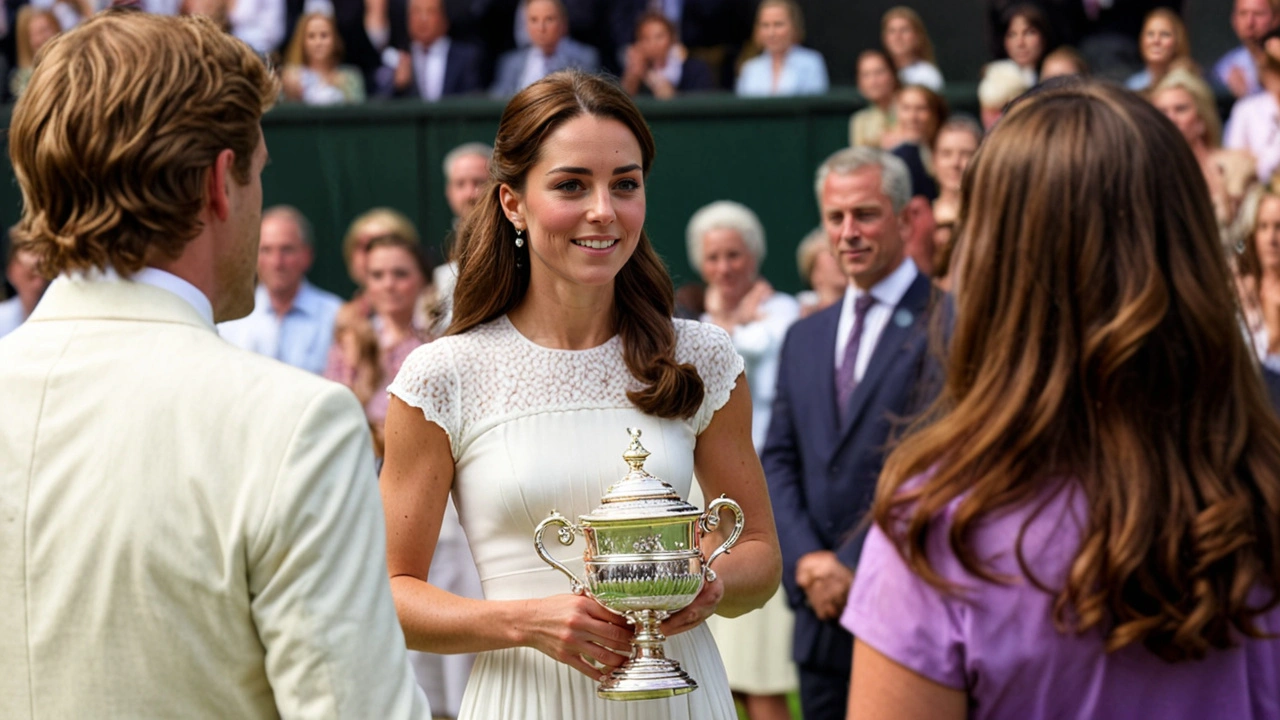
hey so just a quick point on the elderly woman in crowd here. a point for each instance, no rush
(1260, 279)
(1026, 39)
(878, 83)
(1189, 103)
(820, 270)
(1164, 46)
(313, 73)
(903, 36)
(726, 243)
(660, 66)
(1088, 523)
(784, 67)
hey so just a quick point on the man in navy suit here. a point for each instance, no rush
(435, 65)
(847, 377)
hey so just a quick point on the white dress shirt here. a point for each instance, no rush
(1254, 125)
(11, 315)
(428, 68)
(535, 68)
(888, 293)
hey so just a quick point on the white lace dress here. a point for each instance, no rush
(532, 430)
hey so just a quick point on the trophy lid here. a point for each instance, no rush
(639, 495)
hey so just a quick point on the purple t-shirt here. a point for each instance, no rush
(998, 643)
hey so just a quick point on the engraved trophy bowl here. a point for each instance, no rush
(644, 562)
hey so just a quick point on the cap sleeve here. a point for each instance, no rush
(710, 349)
(428, 380)
(903, 617)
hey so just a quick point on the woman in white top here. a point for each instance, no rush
(784, 67)
(903, 35)
(561, 339)
(726, 243)
(312, 71)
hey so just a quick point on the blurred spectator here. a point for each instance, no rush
(292, 320)
(216, 10)
(1063, 62)
(435, 65)
(903, 35)
(658, 65)
(466, 173)
(1163, 46)
(783, 67)
(819, 270)
(397, 275)
(1108, 35)
(1238, 69)
(34, 29)
(712, 30)
(878, 84)
(1027, 38)
(920, 112)
(355, 244)
(1189, 103)
(27, 282)
(313, 73)
(259, 23)
(1002, 81)
(1260, 275)
(726, 242)
(957, 142)
(551, 50)
(1254, 124)
(68, 12)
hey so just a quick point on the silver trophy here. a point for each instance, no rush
(644, 562)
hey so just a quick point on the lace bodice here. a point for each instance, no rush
(492, 374)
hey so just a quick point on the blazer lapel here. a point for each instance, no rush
(905, 323)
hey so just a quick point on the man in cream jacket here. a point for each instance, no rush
(186, 529)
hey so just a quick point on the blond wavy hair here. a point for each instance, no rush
(122, 121)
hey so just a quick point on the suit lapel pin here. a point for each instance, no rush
(903, 318)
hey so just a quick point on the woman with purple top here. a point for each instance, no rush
(1088, 526)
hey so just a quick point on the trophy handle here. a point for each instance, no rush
(710, 520)
(567, 530)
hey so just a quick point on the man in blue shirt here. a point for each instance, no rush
(292, 320)
(1251, 19)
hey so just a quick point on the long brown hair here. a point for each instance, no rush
(493, 274)
(1096, 340)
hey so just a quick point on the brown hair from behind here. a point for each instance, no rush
(114, 168)
(493, 274)
(1096, 346)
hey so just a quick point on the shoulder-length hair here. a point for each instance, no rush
(1182, 42)
(1096, 345)
(924, 50)
(493, 274)
(1250, 263)
(121, 172)
(296, 53)
(1036, 18)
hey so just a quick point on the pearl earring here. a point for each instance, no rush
(519, 237)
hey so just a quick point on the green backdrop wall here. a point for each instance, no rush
(335, 163)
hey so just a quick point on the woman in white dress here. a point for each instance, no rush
(726, 244)
(562, 337)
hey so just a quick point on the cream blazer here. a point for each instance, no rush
(187, 530)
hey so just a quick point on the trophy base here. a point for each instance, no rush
(645, 679)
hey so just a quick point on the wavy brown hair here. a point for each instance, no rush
(113, 139)
(1096, 340)
(493, 274)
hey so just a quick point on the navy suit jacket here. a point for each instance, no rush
(462, 72)
(822, 474)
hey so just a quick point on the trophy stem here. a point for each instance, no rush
(649, 673)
